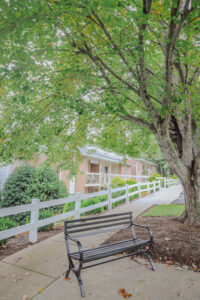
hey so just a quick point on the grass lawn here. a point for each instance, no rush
(165, 210)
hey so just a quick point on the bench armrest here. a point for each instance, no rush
(78, 244)
(145, 227)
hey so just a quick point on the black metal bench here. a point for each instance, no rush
(94, 225)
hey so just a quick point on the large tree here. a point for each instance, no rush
(72, 71)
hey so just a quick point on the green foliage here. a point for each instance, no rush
(92, 201)
(68, 207)
(47, 186)
(43, 214)
(130, 181)
(153, 177)
(117, 182)
(26, 183)
(72, 73)
(17, 191)
(6, 223)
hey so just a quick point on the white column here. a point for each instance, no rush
(110, 172)
(100, 166)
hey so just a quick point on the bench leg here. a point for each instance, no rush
(147, 254)
(77, 272)
(71, 266)
(80, 284)
(67, 273)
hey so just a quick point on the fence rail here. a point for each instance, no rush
(36, 205)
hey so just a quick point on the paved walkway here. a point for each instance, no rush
(37, 272)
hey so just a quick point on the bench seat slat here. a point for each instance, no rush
(108, 250)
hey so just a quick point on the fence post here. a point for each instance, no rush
(34, 221)
(154, 186)
(109, 198)
(139, 189)
(77, 205)
(127, 194)
(159, 186)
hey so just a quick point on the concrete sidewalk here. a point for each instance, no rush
(38, 271)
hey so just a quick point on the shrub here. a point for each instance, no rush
(93, 201)
(68, 207)
(153, 177)
(6, 223)
(47, 186)
(117, 182)
(84, 203)
(17, 190)
(130, 181)
(26, 183)
(44, 214)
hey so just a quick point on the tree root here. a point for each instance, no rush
(185, 219)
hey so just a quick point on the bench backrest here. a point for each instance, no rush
(94, 225)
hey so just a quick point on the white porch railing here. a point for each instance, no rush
(36, 205)
(105, 179)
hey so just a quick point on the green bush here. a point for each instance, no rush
(84, 203)
(44, 214)
(92, 201)
(47, 186)
(153, 177)
(17, 191)
(130, 181)
(26, 183)
(6, 223)
(117, 182)
(68, 207)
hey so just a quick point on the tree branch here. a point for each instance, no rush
(196, 72)
(102, 26)
(138, 121)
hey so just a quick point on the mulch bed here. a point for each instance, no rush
(175, 243)
(20, 241)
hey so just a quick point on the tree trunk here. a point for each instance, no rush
(185, 163)
(191, 188)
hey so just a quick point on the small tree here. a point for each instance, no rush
(46, 184)
(26, 183)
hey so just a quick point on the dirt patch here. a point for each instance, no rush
(175, 243)
(21, 241)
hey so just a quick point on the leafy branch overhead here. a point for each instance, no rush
(72, 70)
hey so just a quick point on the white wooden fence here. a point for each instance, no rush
(36, 205)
